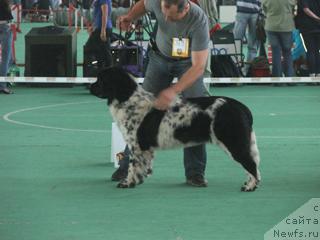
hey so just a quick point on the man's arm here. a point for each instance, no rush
(199, 59)
(311, 14)
(136, 12)
(104, 10)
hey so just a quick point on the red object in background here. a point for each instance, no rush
(269, 54)
(215, 28)
(261, 72)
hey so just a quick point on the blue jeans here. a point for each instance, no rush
(159, 75)
(244, 20)
(281, 43)
(5, 41)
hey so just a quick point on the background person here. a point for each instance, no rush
(5, 41)
(99, 41)
(309, 26)
(210, 9)
(279, 26)
(246, 17)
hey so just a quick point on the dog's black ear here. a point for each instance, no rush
(125, 85)
(116, 84)
(97, 88)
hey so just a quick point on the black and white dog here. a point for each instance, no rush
(220, 120)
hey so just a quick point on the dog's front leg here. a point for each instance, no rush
(148, 156)
(139, 167)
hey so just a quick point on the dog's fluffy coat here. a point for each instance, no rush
(220, 120)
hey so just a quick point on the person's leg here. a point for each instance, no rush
(54, 4)
(107, 59)
(195, 158)
(3, 85)
(122, 171)
(240, 26)
(239, 31)
(5, 41)
(310, 47)
(276, 53)
(286, 44)
(91, 47)
(252, 38)
(317, 53)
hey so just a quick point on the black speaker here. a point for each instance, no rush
(94, 60)
(51, 52)
(222, 37)
(125, 55)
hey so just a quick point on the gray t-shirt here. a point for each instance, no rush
(193, 26)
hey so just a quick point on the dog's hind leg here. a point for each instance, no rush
(253, 180)
(254, 152)
(139, 168)
(247, 161)
(249, 158)
(244, 151)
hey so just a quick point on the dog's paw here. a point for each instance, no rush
(245, 188)
(250, 185)
(149, 172)
(126, 184)
(140, 179)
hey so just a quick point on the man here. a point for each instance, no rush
(180, 50)
(247, 15)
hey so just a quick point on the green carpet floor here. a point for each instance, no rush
(55, 171)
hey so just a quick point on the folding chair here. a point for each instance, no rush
(224, 43)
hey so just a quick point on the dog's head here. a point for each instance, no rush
(114, 84)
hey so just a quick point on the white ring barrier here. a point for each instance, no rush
(140, 80)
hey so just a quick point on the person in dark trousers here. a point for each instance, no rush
(180, 50)
(99, 41)
(5, 42)
(309, 25)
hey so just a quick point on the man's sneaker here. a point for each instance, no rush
(6, 91)
(119, 174)
(197, 181)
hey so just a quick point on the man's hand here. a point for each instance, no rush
(103, 35)
(164, 99)
(124, 23)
